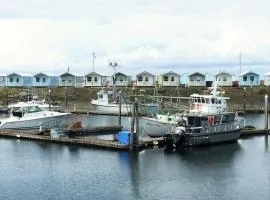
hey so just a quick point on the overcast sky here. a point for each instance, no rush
(158, 36)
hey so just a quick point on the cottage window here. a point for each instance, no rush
(166, 78)
(172, 79)
(17, 80)
(146, 78)
(121, 79)
(251, 78)
(244, 78)
(63, 80)
(89, 79)
(44, 79)
(11, 79)
(224, 78)
(139, 78)
(95, 79)
(37, 79)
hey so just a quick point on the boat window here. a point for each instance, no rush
(194, 121)
(217, 119)
(213, 101)
(203, 100)
(207, 100)
(89, 79)
(172, 79)
(139, 78)
(146, 78)
(166, 78)
(199, 100)
(33, 109)
(95, 79)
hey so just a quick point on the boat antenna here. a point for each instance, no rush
(113, 64)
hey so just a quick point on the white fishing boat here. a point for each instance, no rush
(108, 100)
(108, 103)
(30, 116)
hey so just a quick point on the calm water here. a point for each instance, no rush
(33, 170)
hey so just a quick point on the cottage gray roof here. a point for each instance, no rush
(145, 73)
(170, 73)
(71, 74)
(93, 73)
(197, 73)
(20, 74)
(120, 74)
(223, 72)
(45, 73)
(248, 72)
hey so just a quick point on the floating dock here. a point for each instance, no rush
(89, 140)
(254, 132)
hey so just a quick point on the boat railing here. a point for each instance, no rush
(222, 127)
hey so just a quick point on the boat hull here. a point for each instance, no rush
(35, 123)
(154, 128)
(213, 138)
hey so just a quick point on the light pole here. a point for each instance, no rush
(94, 57)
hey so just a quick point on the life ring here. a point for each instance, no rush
(211, 120)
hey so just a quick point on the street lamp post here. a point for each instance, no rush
(94, 57)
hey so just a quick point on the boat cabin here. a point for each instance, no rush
(105, 97)
(210, 123)
(207, 104)
(20, 111)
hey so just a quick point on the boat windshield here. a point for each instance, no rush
(28, 109)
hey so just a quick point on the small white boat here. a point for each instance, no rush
(159, 124)
(31, 116)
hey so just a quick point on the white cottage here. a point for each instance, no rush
(267, 79)
(197, 79)
(3, 80)
(145, 79)
(94, 79)
(169, 79)
(71, 79)
(121, 80)
(224, 79)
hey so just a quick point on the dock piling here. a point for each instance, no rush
(132, 128)
(266, 111)
(120, 108)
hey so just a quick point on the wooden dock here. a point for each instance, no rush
(89, 141)
(254, 132)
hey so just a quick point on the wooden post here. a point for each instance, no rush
(132, 128)
(49, 99)
(120, 108)
(266, 111)
(66, 99)
(136, 139)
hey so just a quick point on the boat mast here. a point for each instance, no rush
(114, 65)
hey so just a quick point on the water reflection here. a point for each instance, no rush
(131, 160)
(266, 143)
